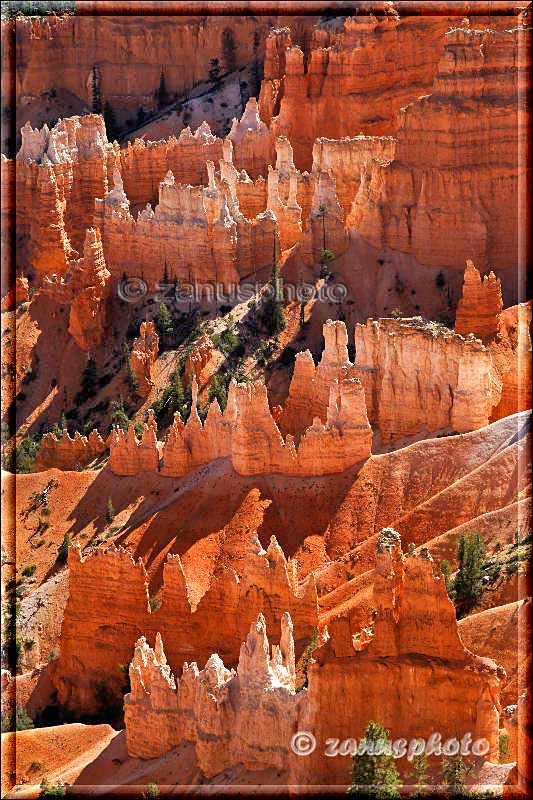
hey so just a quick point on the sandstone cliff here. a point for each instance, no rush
(59, 173)
(68, 453)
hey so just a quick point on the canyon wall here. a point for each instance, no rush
(457, 188)
(66, 452)
(127, 52)
(346, 83)
(411, 646)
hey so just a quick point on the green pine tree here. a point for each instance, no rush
(419, 775)
(97, 97)
(454, 772)
(375, 775)
(163, 321)
(468, 582)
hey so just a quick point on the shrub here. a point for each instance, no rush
(152, 790)
(51, 789)
(53, 655)
(22, 721)
(504, 745)
(306, 655)
(29, 570)
(155, 603)
(440, 280)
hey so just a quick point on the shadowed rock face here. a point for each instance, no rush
(265, 583)
(248, 716)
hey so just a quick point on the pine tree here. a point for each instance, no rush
(454, 772)
(468, 583)
(375, 775)
(163, 321)
(419, 775)
(161, 93)
(97, 98)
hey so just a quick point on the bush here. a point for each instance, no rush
(22, 721)
(29, 570)
(504, 745)
(155, 603)
(53, 655)
(152, 790)
(51, 789)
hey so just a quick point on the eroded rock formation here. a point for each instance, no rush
(66, 452)
(480, 306)
(265, 583)
(143, 356)
(421, 378)
(411, 636)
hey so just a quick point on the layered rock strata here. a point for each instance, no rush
(420, 378)
(85, 288)
(459, 159)
(59, 173)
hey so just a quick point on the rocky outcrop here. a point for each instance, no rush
(511, 355)
(144, 164)
(331, 434)
(106, 612)
(408, 647)
(188, 220)
(68, 453)
(143, 356)
(242, 716)
(480, 306)
(202, 362)
(421, 378)
(410, 644)
(93, 645)
(253, 143)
